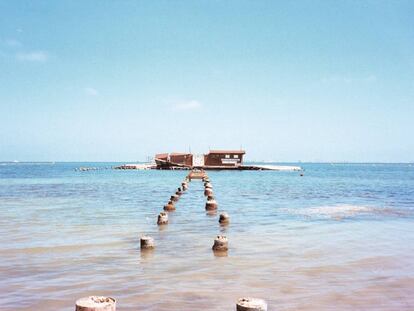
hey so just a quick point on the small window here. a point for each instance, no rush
(236, 156)
(227, 156)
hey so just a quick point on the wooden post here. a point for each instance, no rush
(147, 242)
(184, 186)
(251, 304)
(170, 206)
(96, 303)
(162, 218)
(224, 218)
(221, 243)
(211, 205)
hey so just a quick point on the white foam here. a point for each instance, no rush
(334, 211)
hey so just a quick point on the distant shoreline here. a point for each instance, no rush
(247, 162)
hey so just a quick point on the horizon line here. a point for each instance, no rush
(251, 161)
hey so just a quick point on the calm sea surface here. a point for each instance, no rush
(339, 238)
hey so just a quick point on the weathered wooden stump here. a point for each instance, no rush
(211, 205)
(174, 198)
(147, 242)
(96, 303)
(224, 218)
(221, 243)
(251, 304)
(170, 206)
(162, 218)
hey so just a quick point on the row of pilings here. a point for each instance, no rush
(220, 246)
(101, 303)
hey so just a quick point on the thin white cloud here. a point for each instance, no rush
(187, 105)
(347, 79)
(34, 56)
(91, 91)
(12, 43)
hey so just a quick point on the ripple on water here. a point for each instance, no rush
(67, 234)
(344, 211)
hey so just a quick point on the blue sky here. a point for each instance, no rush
(287, 81)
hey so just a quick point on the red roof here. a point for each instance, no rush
(161, 155)
(227, 151)
(179, 153)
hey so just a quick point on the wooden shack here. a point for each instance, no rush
(224, 158)
(181, 158)
(214, 159)
(174, 159)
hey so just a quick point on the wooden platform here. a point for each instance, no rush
(199, 172)
(196, 175)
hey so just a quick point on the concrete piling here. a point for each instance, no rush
(147, 242)
(162, 218)
(169, 206)
(251, 304)
(221, 243)
(211, 205)
(208, 191)
(224, 218)
(96, 303)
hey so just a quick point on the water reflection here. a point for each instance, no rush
(162, 227)
(220, 253)
(212, 213)
(147, 254)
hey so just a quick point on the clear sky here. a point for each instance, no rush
(286, 80)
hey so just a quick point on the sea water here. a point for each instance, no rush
(341, 237)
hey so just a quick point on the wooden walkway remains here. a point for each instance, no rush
(147, 244)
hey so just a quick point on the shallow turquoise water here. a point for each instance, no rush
(342, 237)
